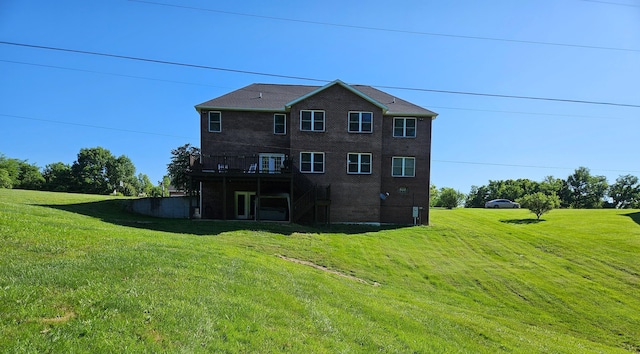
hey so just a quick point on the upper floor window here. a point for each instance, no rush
(403, 167)
(312, 162)
(215, 122)
(358, 163)
(279, 124)
(404, 127)
(312, 121)
(360, 122)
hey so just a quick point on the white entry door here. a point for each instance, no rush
(245, 205)
(271, 163)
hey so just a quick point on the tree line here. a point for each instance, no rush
(580, 190)
(95, 171)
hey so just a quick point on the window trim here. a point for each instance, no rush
(219, 121)
(284, 123)
(404, 159)
(312, 153)
(359, 131)
(313, 121)
(404, 127)
(359, 163)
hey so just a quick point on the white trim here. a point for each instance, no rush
(359, 131)
(313, 153)
(271, 160)
(359, 163)
(216, 108)
(247, 212)
(209, 122)
(313, 113)
(346, 86)
(404, 128)
(404, 159)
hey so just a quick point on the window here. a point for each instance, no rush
(279, 124)
(312, 121)
(360, 122)
(215, 122)
(271, 163)
(358, 163)
(404, 127)
(312, 162)
(403, 167)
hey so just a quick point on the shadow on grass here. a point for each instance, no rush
(114, 212)
(522, 221)
(634, 216)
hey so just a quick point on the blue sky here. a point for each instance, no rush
(54, 103)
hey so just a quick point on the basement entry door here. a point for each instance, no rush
(245, 205)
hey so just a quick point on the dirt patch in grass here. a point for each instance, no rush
(325, 269)
(59, 319)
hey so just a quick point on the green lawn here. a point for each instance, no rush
(78, 274)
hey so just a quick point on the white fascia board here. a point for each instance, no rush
(212, 108)
(409, 114)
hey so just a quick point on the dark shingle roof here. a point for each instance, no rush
(275, 97)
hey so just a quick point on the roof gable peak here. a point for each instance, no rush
(342, 84)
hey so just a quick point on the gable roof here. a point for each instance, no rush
(333, 83)
(280, 98)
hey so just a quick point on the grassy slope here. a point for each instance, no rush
(78, 273)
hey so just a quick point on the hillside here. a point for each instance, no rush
(79, 274)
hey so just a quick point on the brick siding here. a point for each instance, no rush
(355, 198)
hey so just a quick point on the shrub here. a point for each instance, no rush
(449, 198)
(539, 203)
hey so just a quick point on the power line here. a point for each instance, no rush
(232, 88)
(609, 3)
(565, 100)
(90, 126)
(197, 66)
(106, 73)
(157, 61)
(521, 112)
(388, 29)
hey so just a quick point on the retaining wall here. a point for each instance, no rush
(171, 207)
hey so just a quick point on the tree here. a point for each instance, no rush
(58, 177)
(90, 170)
(558, 186)
(508, 189)
(30, 176)
(5, 179)
(433, 195)
(12, 171)
(449, 198)
(585, 190)
(477, 197)
(20, 174)
(625, 192)
(97, 171)
(120, 173)
(144, 185)
(180, 166)
(539, 203)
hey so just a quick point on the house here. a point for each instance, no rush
(337, 153)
